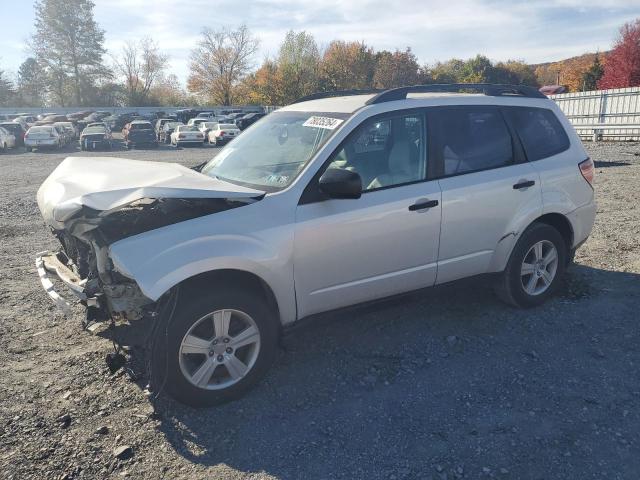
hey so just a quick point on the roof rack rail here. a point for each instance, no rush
(337, 93)
(494, 90)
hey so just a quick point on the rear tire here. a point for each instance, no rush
(535, 268)
(193, 316)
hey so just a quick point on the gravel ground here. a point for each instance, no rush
(443, 384)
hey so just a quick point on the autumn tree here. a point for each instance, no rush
(221, 60)
(167, 91)
(298, 61)
(591, 77)
(264, 86)
(395, 69)
(68, 44)
(347, 65)
(622, 68)
(140, 64)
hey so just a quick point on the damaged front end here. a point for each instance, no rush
(92, 203)
(83, 264)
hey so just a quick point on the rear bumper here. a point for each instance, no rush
(49, 265)
(41, 143)
(582, 220)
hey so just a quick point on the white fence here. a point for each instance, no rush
(603, 114)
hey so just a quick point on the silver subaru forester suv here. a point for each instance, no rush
(335, 200)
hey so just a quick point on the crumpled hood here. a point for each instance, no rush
(104, 183)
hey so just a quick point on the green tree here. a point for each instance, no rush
(298, 65)
(591, 77)
(68, 44)
(7, 91)
(32, 85)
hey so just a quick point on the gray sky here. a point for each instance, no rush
(534, 31)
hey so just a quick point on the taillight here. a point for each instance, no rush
(588, 171)
(221, 134)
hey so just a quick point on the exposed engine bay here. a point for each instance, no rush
(89, 232)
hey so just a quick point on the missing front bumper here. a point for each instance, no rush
(48, 265)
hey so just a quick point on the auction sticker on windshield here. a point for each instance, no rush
(322, 122)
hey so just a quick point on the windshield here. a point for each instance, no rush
(274, 150)
(188, 128)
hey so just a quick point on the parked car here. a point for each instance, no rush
(187, 135)
(248, 119)
(117, 122)
(28, 119)
(96, 137)
(197, 121)
(51, 119)
(184, 115)
(7, 140)
(70, 133)
(42, 116)
(306, 213)
(222, 133)
(99, 124)
(42, 136)
(139, 133)
(167, 130)
(205, 128)
(16, 130)
(159, 124)
(206, 115)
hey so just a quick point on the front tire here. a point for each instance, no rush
(535, 268)
(218, 344)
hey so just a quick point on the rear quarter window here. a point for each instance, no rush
(540, 131)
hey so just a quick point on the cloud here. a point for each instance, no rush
(532, 30)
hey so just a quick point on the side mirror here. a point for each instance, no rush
(339, 183)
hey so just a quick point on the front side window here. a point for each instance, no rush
(472, 139)
(385, 151)
(273, 152)
(540, 131)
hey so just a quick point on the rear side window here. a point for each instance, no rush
(540, 131)
(472, 139)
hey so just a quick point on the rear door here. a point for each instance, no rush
(486, 183)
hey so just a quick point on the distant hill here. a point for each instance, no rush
(569, 70)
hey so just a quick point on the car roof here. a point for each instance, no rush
(351, 103)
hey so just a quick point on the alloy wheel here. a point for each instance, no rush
(219, 349)
(539, 267)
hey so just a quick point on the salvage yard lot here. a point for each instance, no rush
(446, 383)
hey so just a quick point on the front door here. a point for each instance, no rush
(385, 242)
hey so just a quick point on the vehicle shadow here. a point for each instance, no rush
(361, 392)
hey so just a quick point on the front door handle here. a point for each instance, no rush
(422, 204)
(524, 184)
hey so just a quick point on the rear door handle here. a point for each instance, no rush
(524, 184)
(422, 204)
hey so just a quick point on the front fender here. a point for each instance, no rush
(162, 258)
